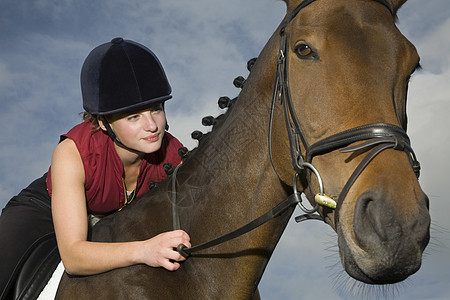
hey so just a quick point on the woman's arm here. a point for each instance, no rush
(81, 257)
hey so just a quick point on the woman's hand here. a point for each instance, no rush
(160, 251)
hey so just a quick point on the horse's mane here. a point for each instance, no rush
(224, 102)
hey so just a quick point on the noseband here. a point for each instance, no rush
(374, 137)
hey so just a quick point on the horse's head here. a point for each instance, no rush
(347, 66)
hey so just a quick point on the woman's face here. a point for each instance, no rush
(143, 130)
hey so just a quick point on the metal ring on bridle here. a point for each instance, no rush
(297, 195)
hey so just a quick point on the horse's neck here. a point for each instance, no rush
(229, 181)
(231, 169)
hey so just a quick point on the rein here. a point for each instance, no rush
(377, 137)
(273, 213)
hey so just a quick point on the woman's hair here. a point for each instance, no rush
(94, 121)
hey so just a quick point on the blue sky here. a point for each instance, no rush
(203, 45)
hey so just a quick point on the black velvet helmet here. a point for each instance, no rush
(122, 76)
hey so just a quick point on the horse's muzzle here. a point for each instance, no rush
(387, 245)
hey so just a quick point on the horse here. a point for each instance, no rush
(322, 113)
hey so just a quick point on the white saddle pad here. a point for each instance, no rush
(49, 291)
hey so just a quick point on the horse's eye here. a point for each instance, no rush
(304, 51)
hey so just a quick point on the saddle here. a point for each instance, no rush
(40, 266)
(37, 270)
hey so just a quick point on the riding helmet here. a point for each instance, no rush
(122, 76)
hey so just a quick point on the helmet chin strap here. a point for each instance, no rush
(114, 136)
(164, 109)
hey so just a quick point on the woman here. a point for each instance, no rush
(98, 167)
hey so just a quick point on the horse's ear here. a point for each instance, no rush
(396, 4)
(290, 5)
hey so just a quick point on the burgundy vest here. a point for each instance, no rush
(104, 188)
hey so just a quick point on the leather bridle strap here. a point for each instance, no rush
(282, 92)
(382, 136)
(273, 213)
(374, 134)
(377, 137)
(294, 14)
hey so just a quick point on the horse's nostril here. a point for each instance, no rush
(375, 223)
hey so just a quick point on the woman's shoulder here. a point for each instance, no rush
(66, 149)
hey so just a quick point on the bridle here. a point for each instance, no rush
(376, 137)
